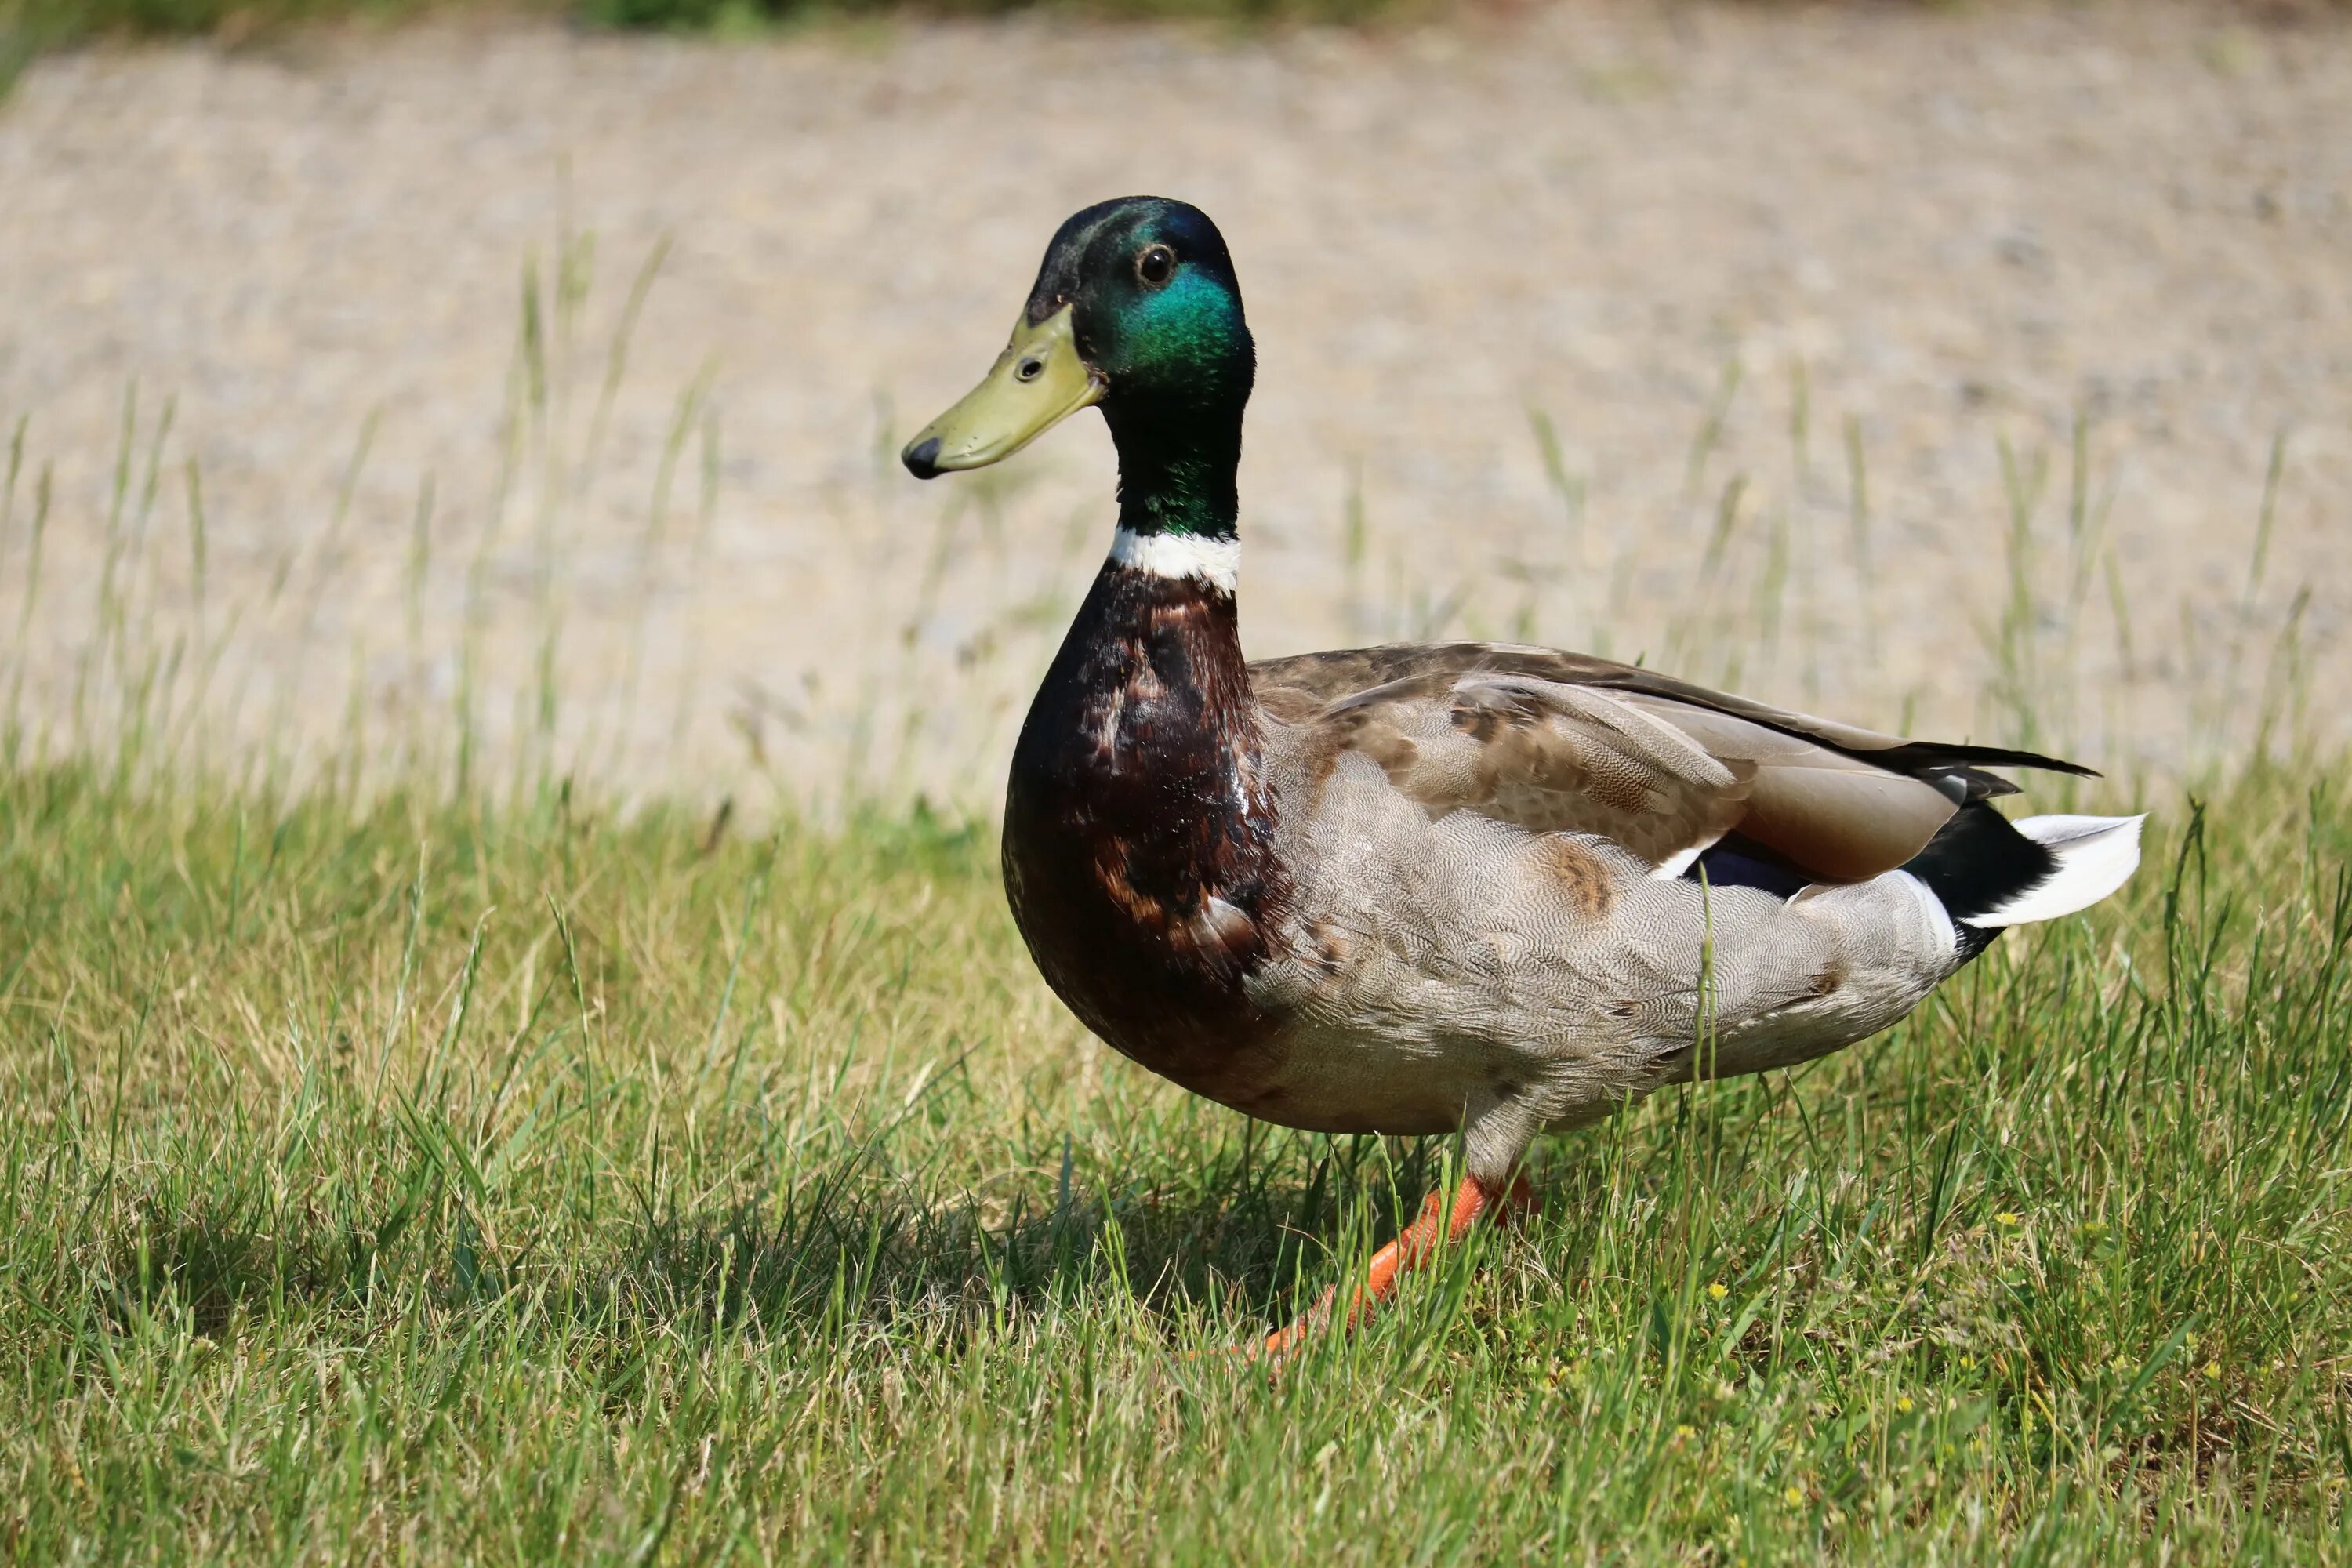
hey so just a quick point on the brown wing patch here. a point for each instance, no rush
(1581, 876)
(1378, 737)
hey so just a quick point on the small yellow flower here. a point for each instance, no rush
(2213, 1370)
(1718, 1290)
(1967, 1363)
(1903, 1403)
(1794, 1497)
(2006, 1217)
(1685, 1432)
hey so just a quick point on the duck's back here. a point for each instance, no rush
(1521, 875)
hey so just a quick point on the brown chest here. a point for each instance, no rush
(1138, 830)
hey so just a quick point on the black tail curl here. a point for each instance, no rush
(1976, 863)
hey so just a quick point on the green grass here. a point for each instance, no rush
(389, 1177)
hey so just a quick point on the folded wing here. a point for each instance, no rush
(1561, 742)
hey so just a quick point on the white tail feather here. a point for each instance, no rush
(2096, 855)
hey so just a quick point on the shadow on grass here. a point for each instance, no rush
(1241, 1235)
(1247, 1233)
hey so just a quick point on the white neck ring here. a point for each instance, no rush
(1216, 561)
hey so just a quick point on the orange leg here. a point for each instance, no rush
(1417, 1245)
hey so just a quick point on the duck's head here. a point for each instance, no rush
(1135, 310)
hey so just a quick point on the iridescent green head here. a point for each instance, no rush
(1135, 309)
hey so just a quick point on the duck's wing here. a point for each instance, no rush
(1564, 742)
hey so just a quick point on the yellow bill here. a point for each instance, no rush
(1036, 383)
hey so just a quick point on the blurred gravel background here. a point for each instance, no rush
(1569, 324)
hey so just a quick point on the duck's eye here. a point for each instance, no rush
(1156, 265)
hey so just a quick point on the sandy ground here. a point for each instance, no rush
(1930, 237)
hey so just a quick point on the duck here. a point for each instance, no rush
(1478, 889)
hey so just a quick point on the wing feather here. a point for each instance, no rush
(1564, 742)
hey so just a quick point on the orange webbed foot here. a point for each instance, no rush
(1440, 1224)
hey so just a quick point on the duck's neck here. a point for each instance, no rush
(1155, 655)
(1180, 482)
(1166, 599)
(1139, 801)
(1163, 610)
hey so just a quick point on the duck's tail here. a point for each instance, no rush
(1990, 873)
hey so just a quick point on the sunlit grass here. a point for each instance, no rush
(403, 1178)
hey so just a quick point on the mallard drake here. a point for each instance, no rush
(1443, 888)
